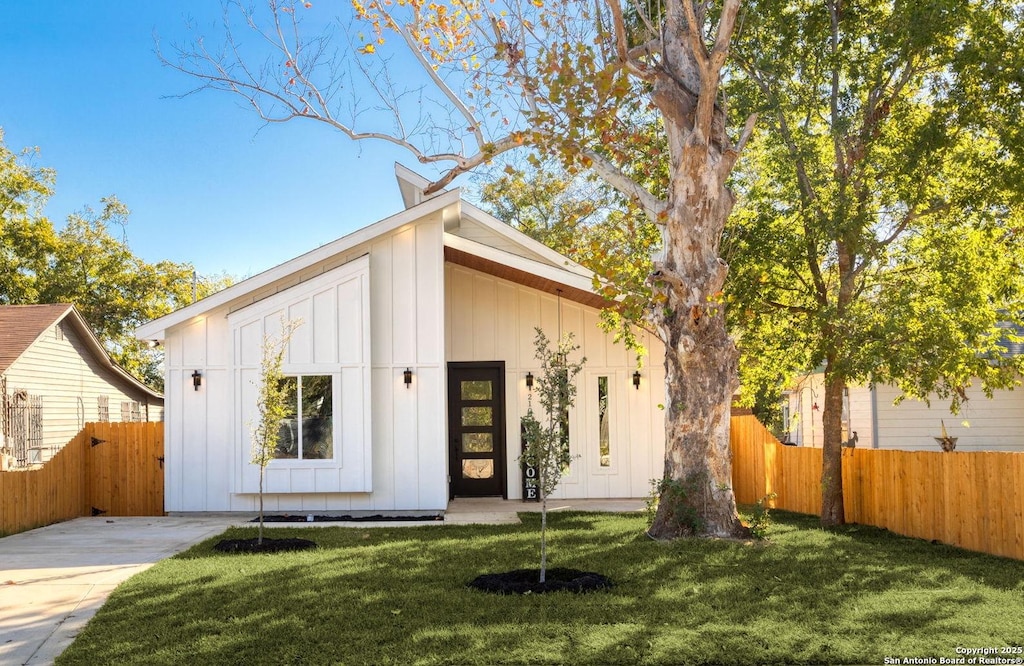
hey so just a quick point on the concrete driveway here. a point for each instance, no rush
(53, 579)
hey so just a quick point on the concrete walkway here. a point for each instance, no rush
(53, 579)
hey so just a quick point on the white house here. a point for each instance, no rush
(409, 372)
(983, 424)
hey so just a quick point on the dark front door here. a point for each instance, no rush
(476, 429)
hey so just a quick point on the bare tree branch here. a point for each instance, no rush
(653, 206)
(638, 67)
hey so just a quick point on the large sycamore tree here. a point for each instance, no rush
(580, 81)
(880, 231)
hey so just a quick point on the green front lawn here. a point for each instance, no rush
(398, 596)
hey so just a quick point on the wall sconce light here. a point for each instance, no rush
(529, 380)
(197, 379)
(407, 375)
(636, 379)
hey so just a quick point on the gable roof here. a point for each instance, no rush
(22, 325)
(154, 330)
(499, 249)
(478, 225)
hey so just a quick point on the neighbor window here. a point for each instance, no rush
(130, 412)
(307, 432)
(603, 429)
(102, 409)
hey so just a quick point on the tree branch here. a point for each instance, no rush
(637, 67)
(653, 206)
(474, 123)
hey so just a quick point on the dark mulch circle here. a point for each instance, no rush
(526, 581)
(304, 518)
(268, 545)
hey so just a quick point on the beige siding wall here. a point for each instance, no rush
(805, 427)
(984, 424)
(995, 424)
(490, 319)
(63, 371)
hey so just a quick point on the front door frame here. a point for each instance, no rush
(500, 448)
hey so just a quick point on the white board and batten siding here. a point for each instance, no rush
(332, 338)
(391, 286)
(62, 370)
(492, 319)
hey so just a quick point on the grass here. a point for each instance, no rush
(398, 596)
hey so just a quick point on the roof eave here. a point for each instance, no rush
(156, 329)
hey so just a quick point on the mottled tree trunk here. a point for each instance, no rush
(700, 358)
(700, 364)
(698, 499)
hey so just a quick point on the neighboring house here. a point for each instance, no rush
(54, 377)
(983, 424)
(408, 374)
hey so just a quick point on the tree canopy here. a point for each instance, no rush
(86, 264)
(879, 230)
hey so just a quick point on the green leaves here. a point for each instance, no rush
(88, 265)
(877, 225)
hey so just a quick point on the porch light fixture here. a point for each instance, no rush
(529, 380)
(636, 379)
(197, 379)
(407, 375)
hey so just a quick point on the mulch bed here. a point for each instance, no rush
(526, 581)
(304, 518)
(268, 546)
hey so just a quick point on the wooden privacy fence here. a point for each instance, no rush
(972, 500)
(113, 469)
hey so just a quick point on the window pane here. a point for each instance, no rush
(477, 469)
(476, 390)
(476, 416)
(477, 442)
(563, 425)
(317, 421)
(288, 432)
(603, 429)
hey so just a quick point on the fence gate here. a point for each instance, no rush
(124, 469)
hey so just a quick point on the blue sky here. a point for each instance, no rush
(206, 183)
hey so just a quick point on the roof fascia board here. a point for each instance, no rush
(88, 336)
(519, 238)
(155, 330)
(56, 320)
(411, 185)
(359, 265)
(553, 273)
